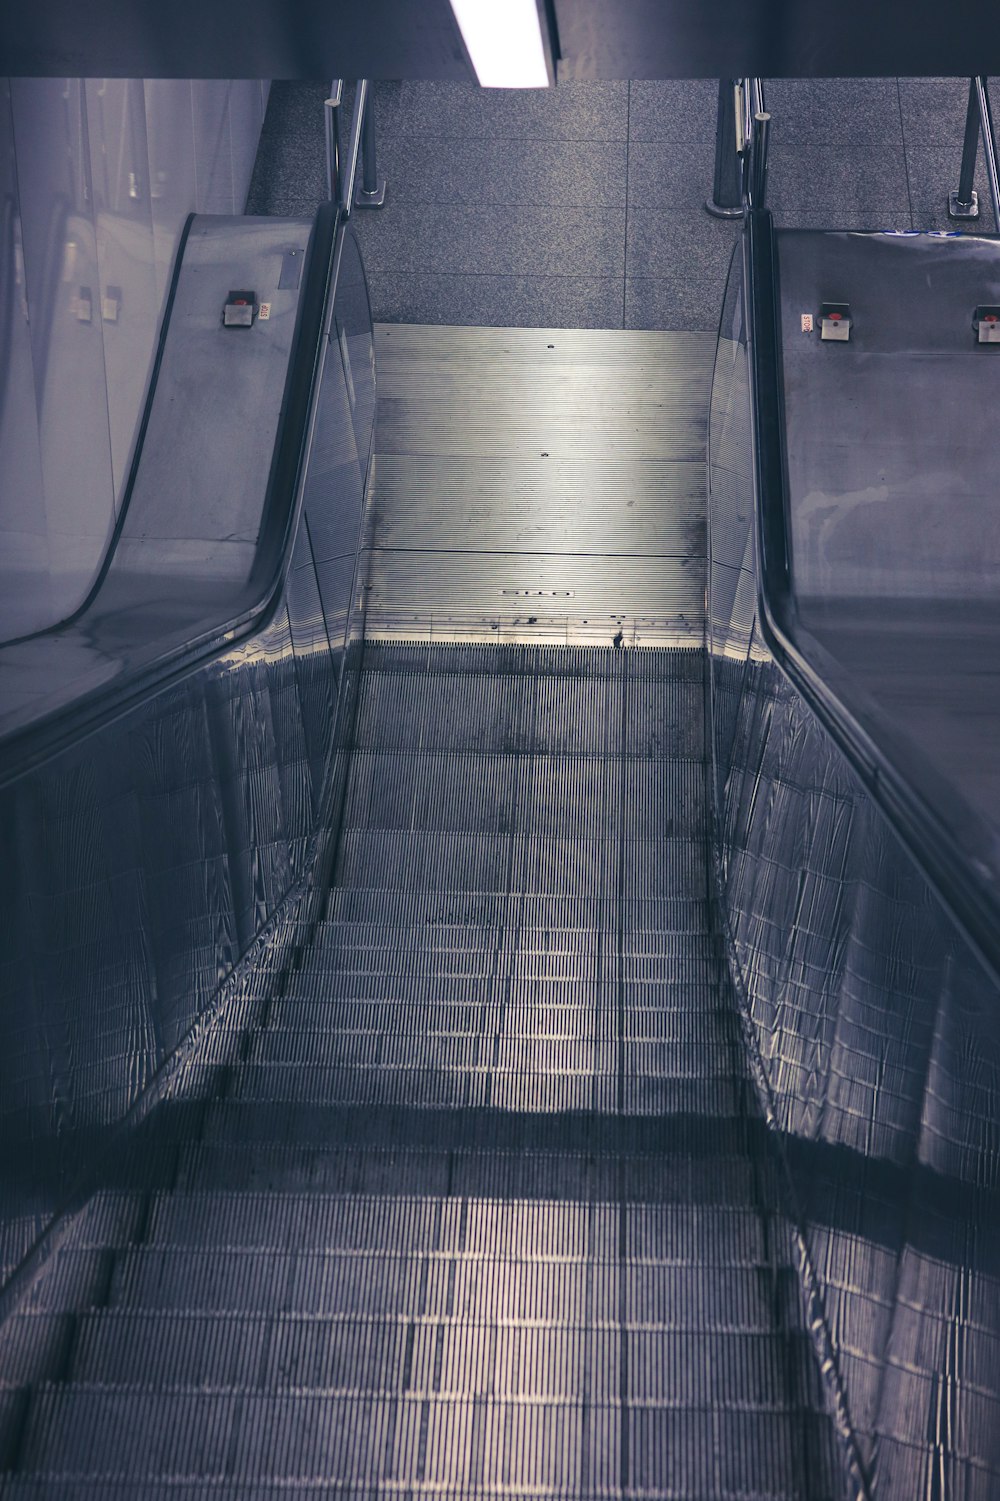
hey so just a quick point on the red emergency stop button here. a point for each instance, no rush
(239, 309)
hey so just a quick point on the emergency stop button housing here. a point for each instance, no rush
(239, 309)
(835, 321)
(986, 322)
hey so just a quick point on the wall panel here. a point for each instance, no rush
(98, 177)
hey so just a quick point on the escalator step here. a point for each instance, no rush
(543, 1446)
(298, 1023)
(682, 1293)
(657, 1233)
(401, 905)
(437, 1356)
(340, 941)
(539, 796)
(587, 868)
(514, 1175)
(440, 1087)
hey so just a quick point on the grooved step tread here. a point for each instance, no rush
(478, 1201)
(305, 1436)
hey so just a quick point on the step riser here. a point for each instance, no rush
(687, 1292)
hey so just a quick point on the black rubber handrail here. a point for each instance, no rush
(35, 742)
(940, 833)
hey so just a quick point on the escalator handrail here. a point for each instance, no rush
(29, 745)
(948, 847)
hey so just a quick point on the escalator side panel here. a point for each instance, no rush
(878, 1034)
(142, 863)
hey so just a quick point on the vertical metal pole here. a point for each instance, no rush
(349, 166)
(989, 147)
(334, 153)
(371, 190)
(726, 201)
(965, 203)
(762, 125)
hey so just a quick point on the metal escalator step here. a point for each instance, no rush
(428, 659)
(13, 1410)
(508, 1445)
(54, 1488)
(35, 1345)
(520, 996)
(712, 1234)
(539, 795)
(558, 713)
(391, 1170)
(584, 867)
(690, 1017)
(443, 1085)
(403, 905)
(439, 1356)
(459, 1131)
(502, 1043)
(679, 1294)
(73, 1279)
(521, 964)
(338, 941)
(108, 1219)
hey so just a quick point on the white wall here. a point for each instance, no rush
(96, 178)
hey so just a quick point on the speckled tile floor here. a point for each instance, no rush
(583, 206)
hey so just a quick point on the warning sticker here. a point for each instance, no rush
(264, 312)
(807, 323)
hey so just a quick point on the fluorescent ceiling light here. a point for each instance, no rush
(504, 40)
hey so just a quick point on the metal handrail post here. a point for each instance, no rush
(334, 150)
(989, 147)
(350, 171)
(762, 125)
(965, 203)
(726, 201)
(746, 116)
(370, 192)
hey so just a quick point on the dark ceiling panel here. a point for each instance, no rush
(319, 39)
(777, 38)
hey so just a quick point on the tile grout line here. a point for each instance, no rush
(906, 162)
(628, 146)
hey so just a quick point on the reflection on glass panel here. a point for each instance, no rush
(23, 539)
(96, 180)
(246, 116)
(170, 146)
(212, 147)
(338, 467)
(894, 526)
(51, 135)
(128, 293)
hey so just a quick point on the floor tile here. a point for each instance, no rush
(550, 173)
(660, 240)
(852, 188)
(679, 174)
(571, 112)
(504, 301)
(934, 173)
(483, 239)
(933, 110)
(675, 109)
(830, 110)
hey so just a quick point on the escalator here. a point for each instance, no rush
(480, 1201)
(492, 1058)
